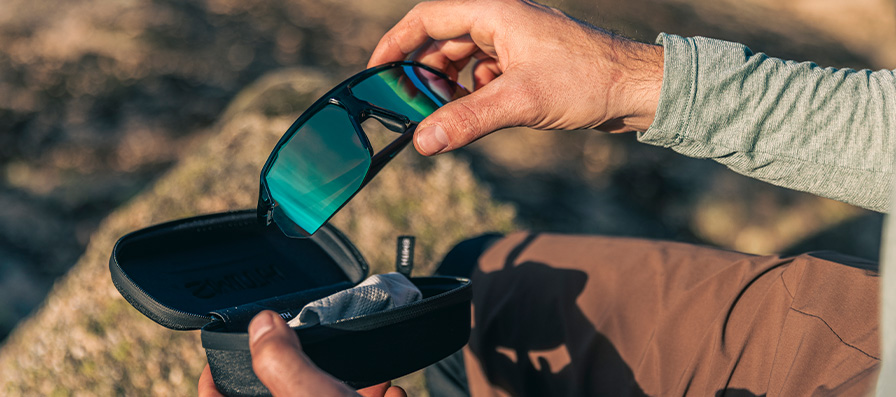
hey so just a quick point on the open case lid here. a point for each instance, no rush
(179, 273)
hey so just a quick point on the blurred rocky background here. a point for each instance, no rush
(101, 99)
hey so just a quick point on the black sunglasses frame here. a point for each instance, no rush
(357, 111)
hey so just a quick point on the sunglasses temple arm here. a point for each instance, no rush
(380, 159)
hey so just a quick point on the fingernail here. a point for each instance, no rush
(432, 139)
(260, 325)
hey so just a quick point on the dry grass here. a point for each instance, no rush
(87, 340)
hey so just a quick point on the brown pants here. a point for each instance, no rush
(584, 315)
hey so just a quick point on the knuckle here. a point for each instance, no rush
(420, 8)
(413, 16)
(391, 41)
(417, 8)
(467, 123)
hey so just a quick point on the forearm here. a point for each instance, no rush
(820, 130)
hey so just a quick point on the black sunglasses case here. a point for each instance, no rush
(215, 272)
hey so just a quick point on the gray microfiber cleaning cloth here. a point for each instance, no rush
(377, 293)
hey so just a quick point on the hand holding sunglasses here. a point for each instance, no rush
(325, 157)
(532, 66)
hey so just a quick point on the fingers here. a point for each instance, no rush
(439, 54)
(395, 391)
(437, 20)
(279, 363)
(449, 56)
(207, 386)
(382, 390)
(375, 390)
(484, 71)
(499, 104)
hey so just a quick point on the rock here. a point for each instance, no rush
(86, 339)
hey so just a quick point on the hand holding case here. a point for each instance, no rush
(215, 272)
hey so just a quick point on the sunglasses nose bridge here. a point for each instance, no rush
(391, 120)
(363, 110)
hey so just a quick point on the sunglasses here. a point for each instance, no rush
(325, 157)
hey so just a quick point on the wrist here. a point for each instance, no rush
(635, 94)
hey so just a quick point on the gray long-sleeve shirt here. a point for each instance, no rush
(826, 131)
(821, 130)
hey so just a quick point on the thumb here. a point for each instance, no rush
(462, 121)
(279, 363)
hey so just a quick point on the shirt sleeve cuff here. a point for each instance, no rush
(670, 126)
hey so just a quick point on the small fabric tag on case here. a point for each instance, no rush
(404, 255)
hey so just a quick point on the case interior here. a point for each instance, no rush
(227, 266)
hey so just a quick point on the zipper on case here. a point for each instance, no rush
(164, 315)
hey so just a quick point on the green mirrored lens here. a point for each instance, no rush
(409, 90)
(318, 169)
